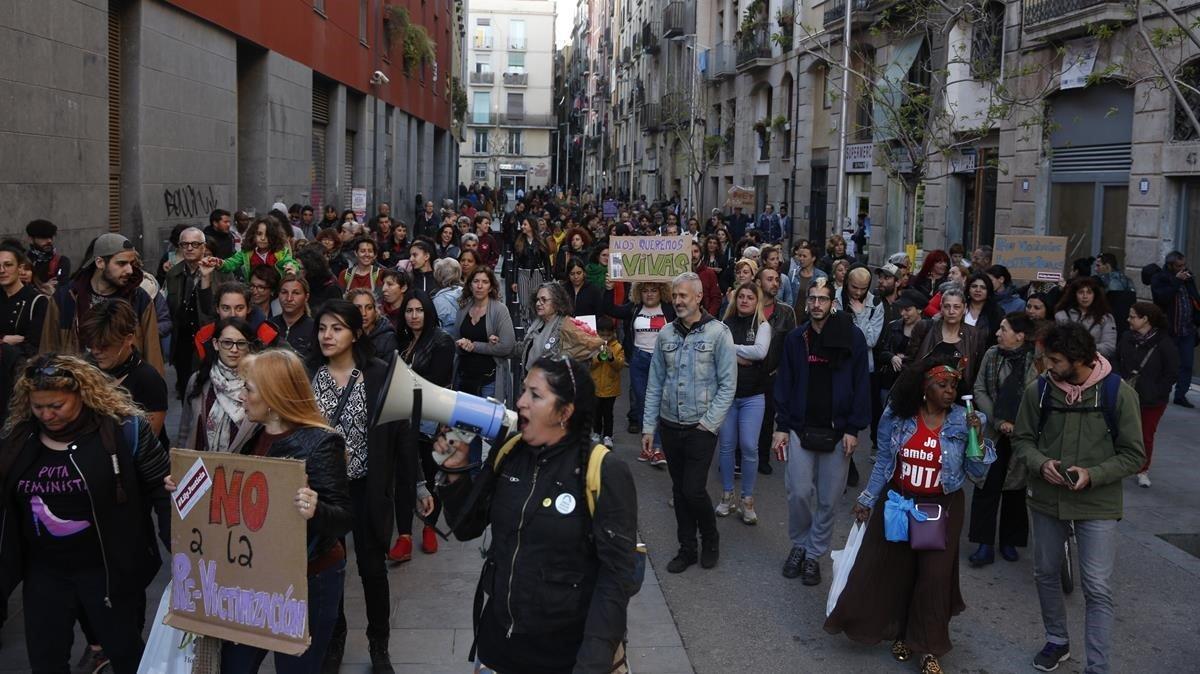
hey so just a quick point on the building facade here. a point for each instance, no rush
(143, 114)
(510, 85)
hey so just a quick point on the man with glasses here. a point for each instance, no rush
(822, 402)
(182, 286)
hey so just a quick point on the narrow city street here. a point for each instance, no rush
(744, 616)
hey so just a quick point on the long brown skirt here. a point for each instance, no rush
(895, 592)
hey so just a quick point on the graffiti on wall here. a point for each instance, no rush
(189, 201)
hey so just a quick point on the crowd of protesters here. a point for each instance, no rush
(279, 330)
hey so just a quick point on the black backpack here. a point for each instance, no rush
(1110, 390)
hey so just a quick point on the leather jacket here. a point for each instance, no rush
(324, 456)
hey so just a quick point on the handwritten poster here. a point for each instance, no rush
(1032, 258)
(238, 555)
(648, 258)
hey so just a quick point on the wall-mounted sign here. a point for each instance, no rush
(963, 161)
(1144, 185)
(860, 158)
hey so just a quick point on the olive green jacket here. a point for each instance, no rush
(1083, 440)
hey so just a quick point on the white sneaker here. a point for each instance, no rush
(608, 441)
(1143, 480)
(727, 505)
(748, 515)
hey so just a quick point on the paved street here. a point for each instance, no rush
(744, 616)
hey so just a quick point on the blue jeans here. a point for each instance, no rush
(1187, 362)
(740, 430)
(324, 596)
(1097, 551)
(639, 379)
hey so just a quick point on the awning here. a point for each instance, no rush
(890, 86)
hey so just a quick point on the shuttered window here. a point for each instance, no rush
(320, 115)
(348, 167)
(114, 119)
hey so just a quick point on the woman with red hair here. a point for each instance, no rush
(933, 272)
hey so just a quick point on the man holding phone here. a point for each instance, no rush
(1078, 440)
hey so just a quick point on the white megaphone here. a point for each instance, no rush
(409, 396)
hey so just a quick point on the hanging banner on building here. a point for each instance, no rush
(649, 258)
(238, 556)
(740, 197)
(358, 203)
(860, 158)
(1032, 258)
(1079, 58)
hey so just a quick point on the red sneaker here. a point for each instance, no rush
(402, 550)
(429, 540)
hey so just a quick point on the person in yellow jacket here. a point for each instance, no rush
(606, 373)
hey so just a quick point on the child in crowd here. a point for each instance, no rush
(606, 372)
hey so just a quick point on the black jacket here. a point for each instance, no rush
(588, 299)
(125, 530)
(433, 357)
(892, 342)
(384, 338)
(548, 570)
(222, 242)
(1158, 375)
(386, 444)
(324, 455)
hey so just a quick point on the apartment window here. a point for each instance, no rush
(362, 21)
(481, 142)
(827, 89)
(987, 42)
(515, 142)
(516, 34)
(483, 34)
(479, 171)
(516, 61)
(483, 67)
(481, 106)
(1189, 76)
(516, 106)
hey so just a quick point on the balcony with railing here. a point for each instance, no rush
(754, 47)
(679, 19)
(479, 118)
(525, 119)
(482, 79)
(722, 62)
(1057, 19)
(651, 117)
(516, 79)
(650, 37)
(676, 109)
(862, 13)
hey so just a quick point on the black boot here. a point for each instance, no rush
(381, 660)
(335, 650)
(852, 475)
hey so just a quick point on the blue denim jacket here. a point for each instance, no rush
(894, 432)
(692, 379)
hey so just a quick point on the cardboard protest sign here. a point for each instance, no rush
(1032, 258)
(742, 197)
(648, 258)
(239, 568)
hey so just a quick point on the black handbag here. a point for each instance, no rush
(820, 439)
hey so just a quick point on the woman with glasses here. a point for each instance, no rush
(348, 380)
(555, 586)
(83, 470)
(554, 331)
(264, 291)
(214, 416)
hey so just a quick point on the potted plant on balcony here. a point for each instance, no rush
(761, 125)
(780, 124)
(418, 47)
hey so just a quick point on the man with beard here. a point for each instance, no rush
(782, 318)
(113, 272)
(48, 263)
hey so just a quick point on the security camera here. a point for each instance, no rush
(378, 77)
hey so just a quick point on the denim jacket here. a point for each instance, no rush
(693, 377)
(894, 432)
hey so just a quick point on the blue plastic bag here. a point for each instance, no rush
(895, 517)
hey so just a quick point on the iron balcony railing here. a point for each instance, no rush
(754, 44)
(650, 37)
(483, 78)
(651, 116)
(678, 19)
(527, 119)
(835, 11)
(722, 61)
(1040, 11)
(516, 79)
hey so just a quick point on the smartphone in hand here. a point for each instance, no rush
(1068, 476)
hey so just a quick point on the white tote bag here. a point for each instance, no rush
(843, 561)
(168, 650)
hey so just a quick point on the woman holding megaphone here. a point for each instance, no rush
(347, 380)
(556, 583)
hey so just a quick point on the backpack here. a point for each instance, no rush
(1109, 392)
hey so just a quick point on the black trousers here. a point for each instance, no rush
(429, 468)
(876, 409)
(689, 454)
(768, 423)
(405, 495)
(183, 358)
(990, 499)
(370, 555)
(602, 424)
(54, 601)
